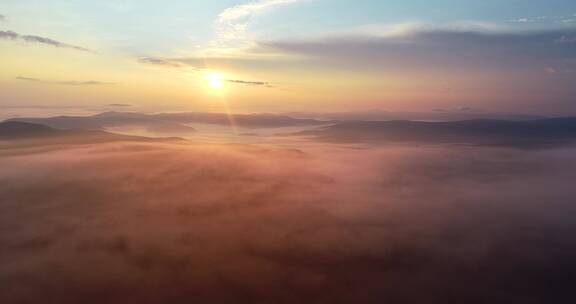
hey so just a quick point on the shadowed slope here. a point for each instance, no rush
(169, 121)
(31, 133)
(262, 120)
(17, 129)
(108, 120)
(540, 132)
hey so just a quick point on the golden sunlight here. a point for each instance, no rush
(215, 80)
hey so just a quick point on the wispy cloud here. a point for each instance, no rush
(559, 19)
(232, 24)
(231, 30)
(566, 39)
(421, 48)
(2, 18)
(403, 48)
(163, 62)
(250, 83)
(10, 35)
(71, 83)
(120, 105)
(38, 106)
(199, 63)
(193, 64)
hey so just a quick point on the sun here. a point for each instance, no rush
(215, 80)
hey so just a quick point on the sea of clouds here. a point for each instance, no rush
(194, 223)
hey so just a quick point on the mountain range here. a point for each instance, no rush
(169, 122)
(548, 132)
(528, 133)
(17, 132)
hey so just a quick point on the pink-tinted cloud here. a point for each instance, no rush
(161, 223)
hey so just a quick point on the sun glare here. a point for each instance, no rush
(215, 80)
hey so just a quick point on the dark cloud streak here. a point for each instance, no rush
(120, 105)
(10, 35)
(66, 83)
(193, 63)
(436, 48)
(250, 83)
(165, 62)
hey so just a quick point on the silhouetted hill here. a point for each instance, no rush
(15, 131)
(168, 122)
(107, 120)
(262, 120)
(435, 115)
(539, 132)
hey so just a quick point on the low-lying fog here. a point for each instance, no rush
(224, 134)
(206, 223)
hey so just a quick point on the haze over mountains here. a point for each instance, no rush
(451, 114)
(17, 132)
(540, 132)
(335, 224)
(170, 122)
(547, 132)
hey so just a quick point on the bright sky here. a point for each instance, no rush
(288, 55)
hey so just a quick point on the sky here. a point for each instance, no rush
(497, 56)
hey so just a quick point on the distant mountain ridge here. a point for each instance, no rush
(257, 120)
(518, 133)
(14, 131)
(436, 115)
(105, 120)
(167, 122)
(18, 130)
(477, 131)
